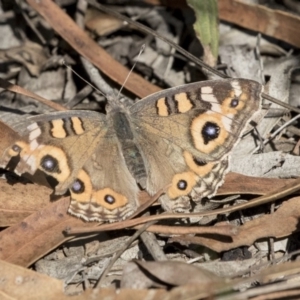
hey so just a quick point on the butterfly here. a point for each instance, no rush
(179, 137)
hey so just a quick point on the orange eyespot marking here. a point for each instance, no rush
(182, 184)
(58, 131)
(162, 107)
(77, 125)
(209, 131)
(184, 104)
(81, 189)
(199, 167)
(232, 104)
(18, 148)
(109, 199)
(53, 161)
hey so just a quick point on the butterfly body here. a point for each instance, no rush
(180, 137)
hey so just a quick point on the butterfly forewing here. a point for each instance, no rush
(205, 118)
(58, 144)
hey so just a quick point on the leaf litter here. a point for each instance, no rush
(230, 255)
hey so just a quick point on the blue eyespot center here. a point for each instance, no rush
(234, 102)
(16, 148)
(210, 131)
(50, 164)
(109, 199)
(77, 186)
(199, 162)
(182, 185)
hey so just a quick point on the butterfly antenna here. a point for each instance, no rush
(126, 79)
(67, 66)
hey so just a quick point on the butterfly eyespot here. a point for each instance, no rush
(210, 131)
(50, 164)
(199, 162)
(78, 186)
(182, 185)
(109, 199)
(234, 102)
(16, 148)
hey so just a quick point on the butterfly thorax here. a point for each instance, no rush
(127, 143)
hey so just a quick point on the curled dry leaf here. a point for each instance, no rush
(279, 224)
(140, 274)
(236, 183)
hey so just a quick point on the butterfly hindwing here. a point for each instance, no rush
(104, 189)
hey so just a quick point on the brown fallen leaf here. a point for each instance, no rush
(241, 184)
(141, 274)
(279, 224)
(274, 23)
(20, 283)
(100, 23)
(19, 90)
(39, 233)
(19, 200)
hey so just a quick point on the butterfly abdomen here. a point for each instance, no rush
(130, 150)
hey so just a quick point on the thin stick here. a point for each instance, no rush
(119, 253)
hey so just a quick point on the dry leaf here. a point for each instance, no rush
(275, 23)
(100, 23)
(38, 234)
(236, 183)
(19, 283)
(88, 48)
(279, 224)
(141, 274)
(19, 200)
